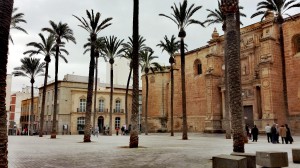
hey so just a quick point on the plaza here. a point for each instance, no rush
(155, 150)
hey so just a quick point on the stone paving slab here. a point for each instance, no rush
(156, 151)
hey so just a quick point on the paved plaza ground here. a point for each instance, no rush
(156, 151)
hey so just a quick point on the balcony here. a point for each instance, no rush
(118, 110)
(81, 109)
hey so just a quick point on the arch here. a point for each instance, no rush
(197, 67)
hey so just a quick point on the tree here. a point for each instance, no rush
(217, 16)
(93, 28)
(30, 68)
(112, 50)
(279, 8)
(232, 52)
(46, 48)
(99, 45)
(182, 17)
(127, 54)
(171, 46)
(134, 133)
(60, 31)
(147, 64)
(15, 20)
(6, 9)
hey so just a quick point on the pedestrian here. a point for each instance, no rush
(289, 137)
(282, 133)
(277, 133)
(117, 131)
(273, 133)
(122, 130)
(268, 132)
(254, 133)
(247, 131)
(96, 131)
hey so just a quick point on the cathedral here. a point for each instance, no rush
(261, 74)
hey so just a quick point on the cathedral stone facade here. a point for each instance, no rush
(261, 74)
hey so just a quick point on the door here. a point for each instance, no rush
(248, 115)
(100, 123)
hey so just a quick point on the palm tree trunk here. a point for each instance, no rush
(53, 134)
(232, 52)
(126, 96)
(87, 130)
(95, 94)
(5, 17)
(172, 100)
(146, 109)
(284, 83)
(134, 133)
(183, 96)
(30, 128)
(43, 101)
(111, 98)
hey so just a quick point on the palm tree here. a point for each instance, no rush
(46, 48)
(112, 50)
(217, 16)
(230, 9)
(279, 8)
(60, 31)
(134, 133)
(93, 28)
(15, 20)
(171, 46)
(99, 44)
(6, 9)
(30, 68)
(148, 64)
(182, 17)
(127, 54)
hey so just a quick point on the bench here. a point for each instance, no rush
(251, 158)
(272, 159)
(296, 155)
(229, 161)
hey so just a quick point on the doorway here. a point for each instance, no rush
(248, 115)
(100, 123)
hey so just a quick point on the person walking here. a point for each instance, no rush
(273, 133)
(289, 137)
(282, 133)
(254, 133)
(268, 132)
(96, 131)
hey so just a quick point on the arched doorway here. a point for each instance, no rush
(100, 123)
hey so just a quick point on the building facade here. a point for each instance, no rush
(72, 95)
(261, 74)
(29, 121)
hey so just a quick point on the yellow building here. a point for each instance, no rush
(71, 104)
(26, 114)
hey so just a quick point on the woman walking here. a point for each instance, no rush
(282, 133)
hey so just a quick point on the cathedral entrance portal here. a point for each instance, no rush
(248, 115)
(100, 123)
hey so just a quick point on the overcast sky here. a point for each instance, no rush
(152, 27)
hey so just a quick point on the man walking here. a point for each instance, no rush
(268, 131)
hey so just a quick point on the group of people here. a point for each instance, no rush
(274, 132)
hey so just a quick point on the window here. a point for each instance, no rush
(197, 67)
(101, 105)
(117, 122)
(118, 106)
(140, 98)
(82, 105)
(296, 41)
(80, 123)
(140, 108)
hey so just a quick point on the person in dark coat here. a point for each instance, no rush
(254, 133)
(274, 133)
(289, 137)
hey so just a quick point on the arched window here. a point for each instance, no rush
(82, 105)
(197, 67)
(118, 106)
(101, 105)
(80, 123)
(296, 44)
(117, 122)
